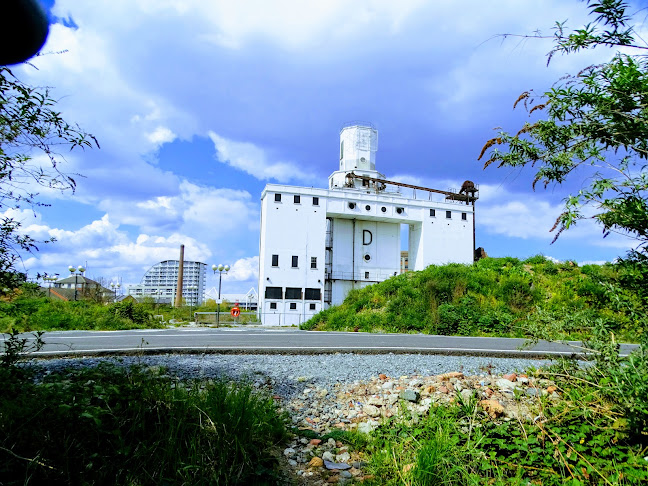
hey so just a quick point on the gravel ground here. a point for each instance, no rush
(289, 374)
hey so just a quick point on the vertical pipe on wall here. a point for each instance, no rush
(353, 255)
(178, 299)
(474, 242)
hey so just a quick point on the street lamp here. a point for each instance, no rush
(115, 286)
(51, 279)
(73, 271)
(219, 268)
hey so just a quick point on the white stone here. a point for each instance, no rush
(367, 427)
(328, 456)
(371, 410)
(343, 457)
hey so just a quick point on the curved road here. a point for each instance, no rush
(259, 340)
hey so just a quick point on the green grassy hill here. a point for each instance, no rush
(494, 297)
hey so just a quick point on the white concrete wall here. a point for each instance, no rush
(291, 229)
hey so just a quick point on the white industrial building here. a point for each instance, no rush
(318, 244)
(161, 281)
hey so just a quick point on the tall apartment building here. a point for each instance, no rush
(161, 280)
(318, 244)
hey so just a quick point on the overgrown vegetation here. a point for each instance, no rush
(116, 425)
(26, 312)
(498, 297)
(586, 438)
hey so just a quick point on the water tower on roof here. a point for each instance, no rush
(358, 147)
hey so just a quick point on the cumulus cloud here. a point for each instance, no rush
(255, 161)
(245, 269)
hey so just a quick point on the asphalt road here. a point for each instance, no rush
(259, 340)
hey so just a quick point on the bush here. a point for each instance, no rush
(112, 425)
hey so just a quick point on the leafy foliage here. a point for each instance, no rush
(595, 128)
(25, 312)
(30, 131)
(497, 297)
(112, 425)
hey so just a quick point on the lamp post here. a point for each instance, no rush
(73, 271)
(51, 279)
(115, 286)
(219, 268)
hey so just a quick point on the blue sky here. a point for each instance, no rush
(198, 104)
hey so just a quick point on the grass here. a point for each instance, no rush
(495, 297)
(116, 425)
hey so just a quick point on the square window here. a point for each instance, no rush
(295, 261)
(297, 199)
(313, 262)
(293, 306)
(293, 293)
(275, 260)
(433, 212)
(316, 201)
(273, 305)
(463, 216)
(312, 306)
(448, 214)
(277, 197)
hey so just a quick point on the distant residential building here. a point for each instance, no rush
(78, 287)
(160, 282)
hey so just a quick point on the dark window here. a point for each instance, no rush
(313, 294)
(273, 305)
(367, 257)
(383, 209)
(365, 183)
(312, 306)
(293, 293)
(297, 199)
(368, 208)
(295, 261)
(400, 210)
(273, 293)
(275, 260)
(277, 197)
(449, 214)
(366, 274)
(463, 216)
(351, 205)
(313, 262)
(293, 306)
(316, 201)
(433, 212)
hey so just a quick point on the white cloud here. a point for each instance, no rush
(161, 135)
(245, 269)
(255, 161)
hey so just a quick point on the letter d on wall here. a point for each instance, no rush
(367, 237)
